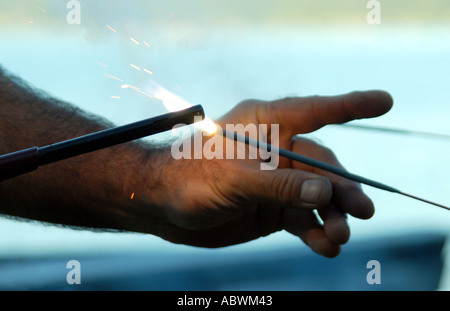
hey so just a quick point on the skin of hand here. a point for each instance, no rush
(221, 202)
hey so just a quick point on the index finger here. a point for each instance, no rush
(306, 114)
(347, 194)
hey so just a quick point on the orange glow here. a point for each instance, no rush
(132, 196)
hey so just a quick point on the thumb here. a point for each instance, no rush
(288, 187)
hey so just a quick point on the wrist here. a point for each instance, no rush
(142, 201)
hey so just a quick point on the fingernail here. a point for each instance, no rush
(311, 190)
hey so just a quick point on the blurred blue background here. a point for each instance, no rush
(218, 53)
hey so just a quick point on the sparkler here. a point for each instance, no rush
(397, 131)
(321, 165)
(173, 102)
(24, 161)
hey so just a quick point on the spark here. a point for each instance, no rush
(132, 196)
(137, 90)
(148, 71)
(173, 102)
(126, 86)
(39, 8)
(101, 64)
(110, 28)
(135, 67)
(145, 93)
(145, 42)
(135, 41)
(113, 77)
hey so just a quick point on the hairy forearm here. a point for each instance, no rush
(92, 190)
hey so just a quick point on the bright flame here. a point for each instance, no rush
(173, 103)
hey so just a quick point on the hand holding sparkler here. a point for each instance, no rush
(214, 203)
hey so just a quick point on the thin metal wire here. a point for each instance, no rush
(321, 165)
(423, 200)
(391, 130)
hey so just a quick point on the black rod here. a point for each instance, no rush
(24, 161)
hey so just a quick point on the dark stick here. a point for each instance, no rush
(24, 161)
(321, 165)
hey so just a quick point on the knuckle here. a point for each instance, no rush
(327, 152)
(249, 103)
(287, 185)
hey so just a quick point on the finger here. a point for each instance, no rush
(304, 115)
(347, 194)
(305, 225)
(286, 187)
(335, 224)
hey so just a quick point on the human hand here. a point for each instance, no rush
(221, 202)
